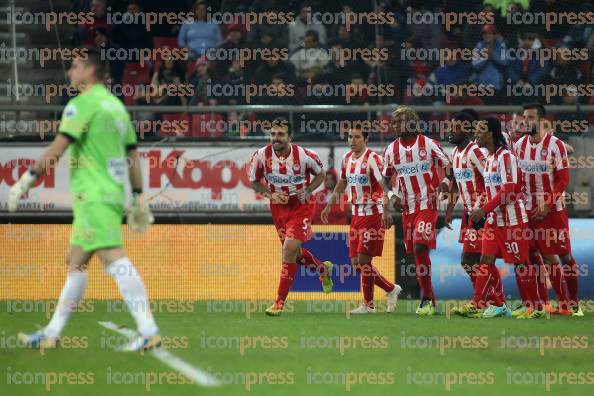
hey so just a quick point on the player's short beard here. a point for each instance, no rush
(534, 130)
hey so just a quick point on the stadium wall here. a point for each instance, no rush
(182, 262)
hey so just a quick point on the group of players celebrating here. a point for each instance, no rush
(511, 186)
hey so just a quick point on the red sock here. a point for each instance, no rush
(367, 282)
(382, 282)
(286, 280)
(307, 258)
(423, 267)
(495, 294)
(471, 271)
(542, 288)
(526, 280)
(558, 283)
(570, 273)
(482, 285)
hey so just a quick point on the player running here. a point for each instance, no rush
(287, 169)
(96, 129)
(543, 159)
(468, 162)
(414, 158)
(504, 233)
(361, 177)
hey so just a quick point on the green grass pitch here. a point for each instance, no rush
(305, 353)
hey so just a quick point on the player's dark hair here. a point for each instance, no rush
(282, 122)
(466, 119)
(463, 116)
(471, 112)
(93, 57)
(540, 109)
(494, 126)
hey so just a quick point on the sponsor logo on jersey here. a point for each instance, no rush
(463, 174)
(492, 178)
(534, 166)
(70, 111)
(285, 179)
(358, 179)
(413, 168)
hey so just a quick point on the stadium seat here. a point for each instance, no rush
(172, 123)
(134, 74)
(160, 42)
(190, 68)
(207, 125)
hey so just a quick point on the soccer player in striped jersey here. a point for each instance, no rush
(505, 230)
(287, 171)
(361, 177)
(414, 159)
(543, 159)
(468, 161)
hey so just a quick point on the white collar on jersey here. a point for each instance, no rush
(283, 159)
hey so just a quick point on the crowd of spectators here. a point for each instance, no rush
(306, 66)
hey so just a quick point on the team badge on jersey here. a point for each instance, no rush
(296, 168)
(543, 154)
(364, 165)
(423, 154)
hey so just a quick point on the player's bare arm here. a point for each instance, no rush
(306, 192)
(50, 158)
(452, 198)
(334, 197)
(274, 197)
(393, 198)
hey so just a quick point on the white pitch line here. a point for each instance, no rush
(198, 376)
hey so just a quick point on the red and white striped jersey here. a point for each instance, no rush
(415, 169)
(539, 162)
(502, 168)
(289, 174)
(362, 176)
(468, 165)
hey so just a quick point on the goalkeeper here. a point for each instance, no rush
(97, 130)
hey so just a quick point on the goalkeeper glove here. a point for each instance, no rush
(139, 215)
(20, 188)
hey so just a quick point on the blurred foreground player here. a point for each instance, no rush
(287, 169)
(414, 158)
(96, 128)
(361, 176)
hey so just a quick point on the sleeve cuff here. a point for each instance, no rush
(67, 136)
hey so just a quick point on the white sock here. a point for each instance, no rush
(134, 294)
(72, 292)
